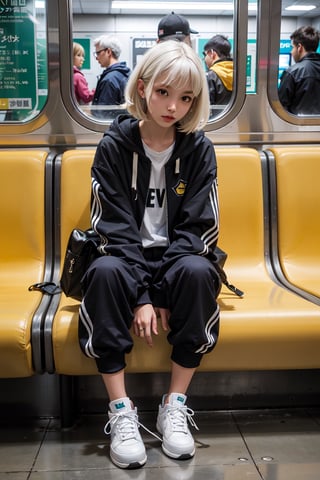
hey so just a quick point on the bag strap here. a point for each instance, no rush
(46, 287)
(51, 288)
(224, 280)
(233, 289)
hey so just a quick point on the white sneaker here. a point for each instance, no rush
(127, 449)
(172, 423)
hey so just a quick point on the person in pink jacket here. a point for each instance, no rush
(81, 89)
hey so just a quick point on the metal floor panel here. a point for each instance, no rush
(233, 445)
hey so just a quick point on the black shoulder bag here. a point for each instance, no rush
(80, 253)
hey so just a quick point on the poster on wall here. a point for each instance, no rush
(139, 48)
(284, 57)
(251, 68)
(85, 43)
(18, 59)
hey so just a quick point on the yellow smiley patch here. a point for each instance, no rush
(180, 188)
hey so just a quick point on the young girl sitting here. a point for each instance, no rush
(155, 207)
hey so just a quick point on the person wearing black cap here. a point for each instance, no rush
(217, 56)
(175, 27)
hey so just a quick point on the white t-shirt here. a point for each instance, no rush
(154, 225)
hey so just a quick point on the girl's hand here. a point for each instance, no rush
(145, 322)
(164, 314)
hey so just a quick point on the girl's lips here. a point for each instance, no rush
(167, 118)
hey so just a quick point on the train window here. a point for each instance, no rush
(23, 59)
(299, 58)
(251, 63)
(135, 26)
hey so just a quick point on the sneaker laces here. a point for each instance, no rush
(126, 424)
(179, 418)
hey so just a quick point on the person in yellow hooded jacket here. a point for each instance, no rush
(217, 56)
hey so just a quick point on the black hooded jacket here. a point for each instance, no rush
(120, 182)
(110, 88)
(299, 90)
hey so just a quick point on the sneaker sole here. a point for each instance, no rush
(129, 466)
(182, 456)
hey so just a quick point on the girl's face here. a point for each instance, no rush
(167, 105)
(78, 60)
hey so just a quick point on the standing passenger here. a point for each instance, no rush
(299, 90)
(81, 89)
(112, 82)
(175, 27)
(217, 55)
(155, 208)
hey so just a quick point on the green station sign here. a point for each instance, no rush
(18, 57)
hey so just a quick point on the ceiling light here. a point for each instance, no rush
(142, 5)
(302, 8)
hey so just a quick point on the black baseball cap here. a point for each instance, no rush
(174, 24)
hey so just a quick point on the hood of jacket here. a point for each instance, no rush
(224, 70)
(120, 67)
(125, 130)
(313, 56)
(77, 70)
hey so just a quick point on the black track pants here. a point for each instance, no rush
(110, 294)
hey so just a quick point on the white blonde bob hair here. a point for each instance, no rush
(179, 67)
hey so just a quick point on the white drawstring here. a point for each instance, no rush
(134, 171)
(177, 169)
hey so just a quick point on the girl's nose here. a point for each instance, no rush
(172, 107)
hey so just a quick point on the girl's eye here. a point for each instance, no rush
(162, 91)
(186, 99)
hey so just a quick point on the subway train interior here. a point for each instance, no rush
(256, 396)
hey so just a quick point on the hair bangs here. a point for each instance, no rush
(182, 74)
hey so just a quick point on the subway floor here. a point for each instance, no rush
(231, 445)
